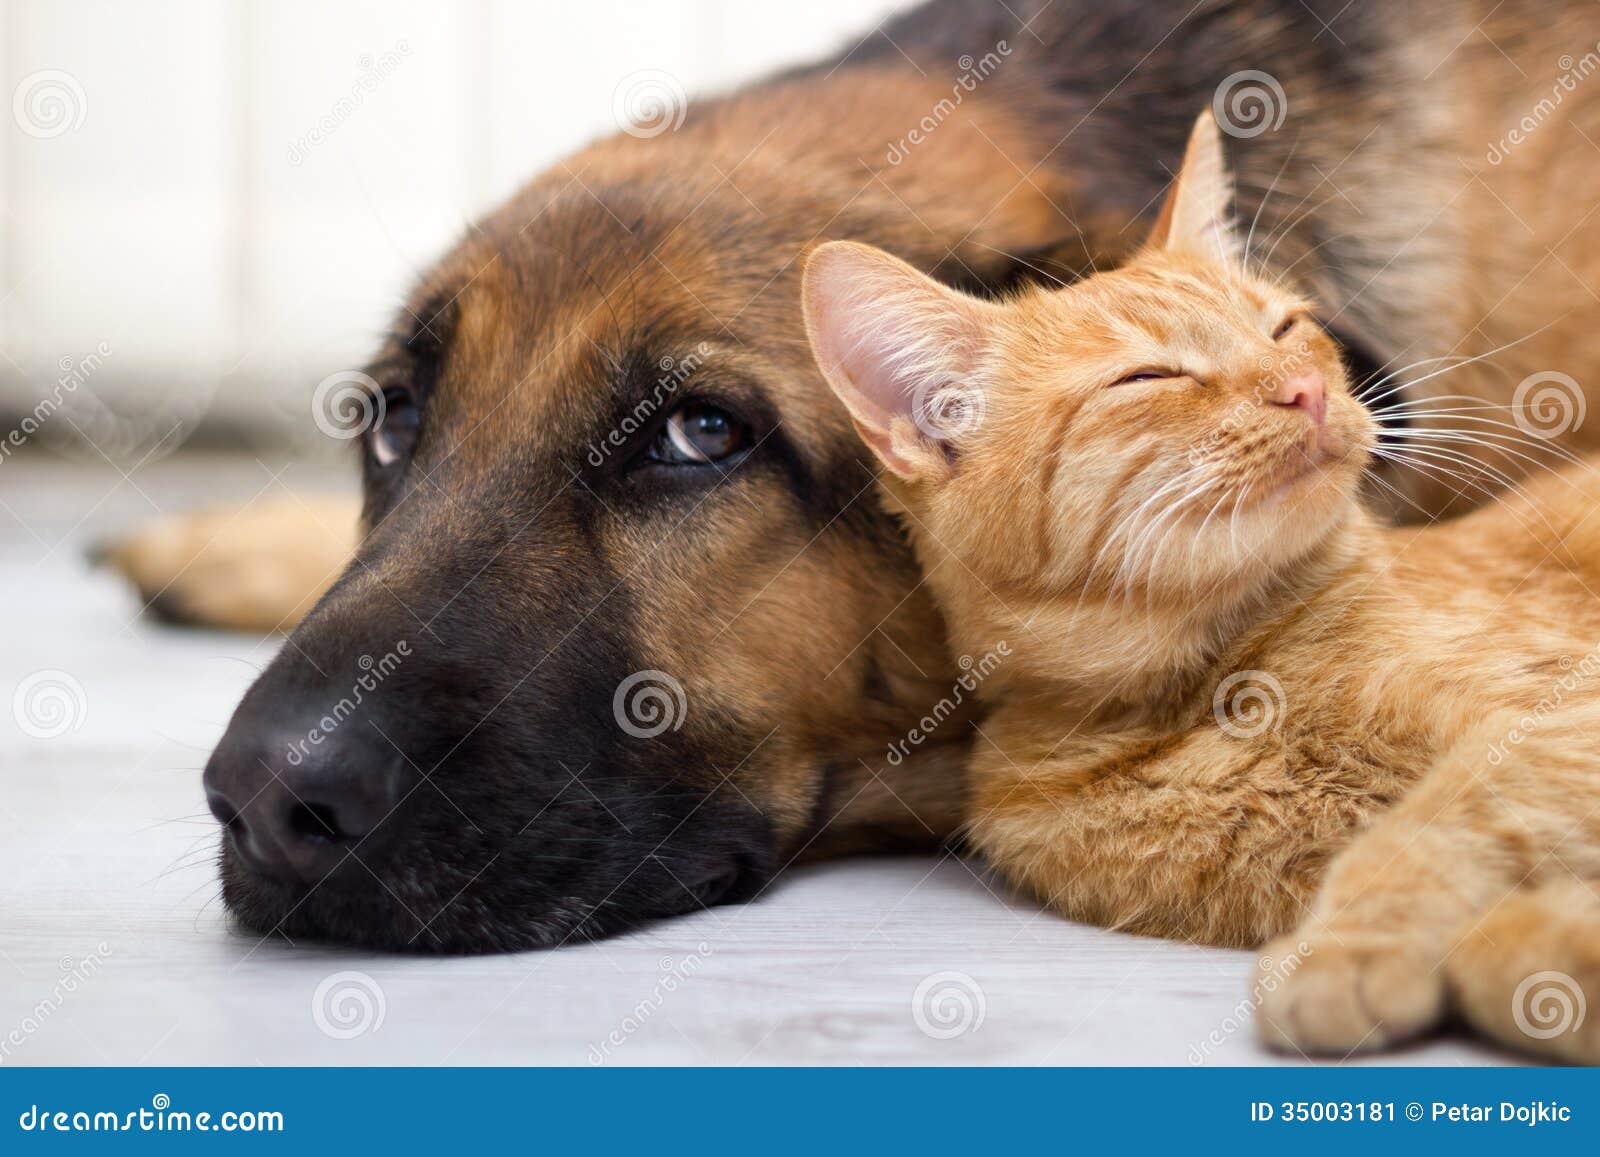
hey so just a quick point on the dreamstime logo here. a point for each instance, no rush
(674, 372)
(1573, 72)
(347, 1005)
(73, 374)
(48, 704)
(973, 672)
(948, 1004)
(1573, 675)
(1548, 404)
(347, 404)
(648, 703)
(674, 974)
(973, 73)
(1275, 371)
(1247, 703)
(648, 103)
(1548, 1004)
(1271, 972)
(75, 973)
(373, 71)
(945, 410)
(373, 672)
(1249, 103)
(49, 103)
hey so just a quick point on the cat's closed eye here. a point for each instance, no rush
(1147, 375)
(1285, 326)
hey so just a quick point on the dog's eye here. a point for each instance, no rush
(696, 432)
(396, 432)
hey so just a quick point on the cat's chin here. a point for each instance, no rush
(1322, 472)
(1306, 499)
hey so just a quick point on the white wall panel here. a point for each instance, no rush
(241, 192)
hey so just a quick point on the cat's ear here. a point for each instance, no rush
(1198, 215)
(899, 349)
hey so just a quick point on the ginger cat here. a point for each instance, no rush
(1236, 706)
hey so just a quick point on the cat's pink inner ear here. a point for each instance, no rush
(886, 336)
(1197, 217)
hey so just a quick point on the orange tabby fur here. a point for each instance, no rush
(1237, 707)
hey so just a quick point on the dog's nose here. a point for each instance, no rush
(297, 806)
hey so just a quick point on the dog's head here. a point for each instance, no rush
(628, 629)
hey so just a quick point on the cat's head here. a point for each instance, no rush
(1174, 422)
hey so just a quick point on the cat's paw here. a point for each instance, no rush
(1342, 995)
(253, 568)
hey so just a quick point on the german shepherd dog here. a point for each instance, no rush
(653, 636)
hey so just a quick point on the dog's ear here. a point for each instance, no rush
(900, 350)
(1197, 217)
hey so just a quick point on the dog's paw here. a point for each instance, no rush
(1325, 995)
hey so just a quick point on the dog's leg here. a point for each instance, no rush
(255, 568)
(1528, 973)
(1489, 818)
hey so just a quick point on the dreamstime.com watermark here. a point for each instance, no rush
(973, 73)
(374, 673)
(674, 974)
(1573, 73)
(1547, 1004)
(674, 372)
(160, 1117)
(1248, 103)
(947, 1005)
(49, 103)
(1248, 703)
(74, 975)
(346, 404)
(1574, 674)
(649, 703)
(649, 102)
(1548, 404)
(1275, 371)
(348, 1004)
(1269, 976)
(374, 70)
(72, 375)
(48, 704)
(974, 672)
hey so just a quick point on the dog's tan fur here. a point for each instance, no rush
(1223, 669)
(1378, 203)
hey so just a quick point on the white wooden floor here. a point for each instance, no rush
(113, 948)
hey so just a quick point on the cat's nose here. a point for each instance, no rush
(1303, 391)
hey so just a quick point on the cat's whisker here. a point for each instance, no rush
(1505, 444)
(1474, 482)
(1514, 430)
(1413, 383)
(1267, 196)
(1125, 527)
(1431, 460)
(1233, 519)
(1281, 278)
(1450, 476)
(1045, 273)
(1510, 483)
(1127, 524)
(1383, 375)
(1400, 495)
(1135, 523)
(1475, 402)
(1159, 545)
(1294, 224)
